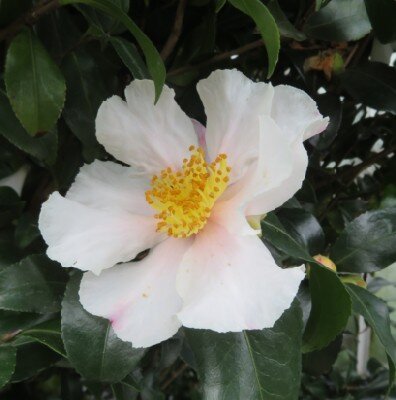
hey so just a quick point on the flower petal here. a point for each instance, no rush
(296, 113)
(233, 104)
(139, 298)
(93, 239)
(231, 283)
(110, 186)
(273, 166)
(275, 197)
(139, 133)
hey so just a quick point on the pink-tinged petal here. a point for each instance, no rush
(110, 186)
(200, 131)
(142, 134)
(230, 283)
(233, 104)
(276, 196)
(272, 168)
(296, 113)
(93, 239)
(139, 298)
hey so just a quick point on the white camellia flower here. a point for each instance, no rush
(186, 193)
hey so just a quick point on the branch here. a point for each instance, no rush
(218, 57)
(176, 30)
(29, 18)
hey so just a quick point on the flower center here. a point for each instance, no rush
(184, 199)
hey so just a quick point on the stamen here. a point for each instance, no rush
(184, 199)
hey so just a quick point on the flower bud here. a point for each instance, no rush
(323, 260)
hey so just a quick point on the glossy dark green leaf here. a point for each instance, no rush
(130, 57)
(331, 308)
(376, 313)
(329, 104)
(286, 28)
(339, 20)
(368, 243)
(43, 148)
(90, 342)
(382, 14)
(303, 227)
(35, 284)
(275, 233)
(32, 358)
(85, 92)
(12, 321)
(321, 361)
(253, 364)
(48, 333)
(373, 84)
(105, 24)
(154, 62)
(266, 24)
(7, 363)
(11, 205)
(35, 85)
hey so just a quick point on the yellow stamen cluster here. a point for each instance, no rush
(184, 199)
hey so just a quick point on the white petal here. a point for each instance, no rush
(139, 298)
(139, 133)
(273, 166)
(93, 239)
(231, 283)
(16, 180)
(296, 113)
(275, 197)
(233, 104)
(107, 185)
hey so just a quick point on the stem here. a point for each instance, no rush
(176, 30)
(218, 57)
(30, 18)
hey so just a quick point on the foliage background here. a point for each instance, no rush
(61, 58)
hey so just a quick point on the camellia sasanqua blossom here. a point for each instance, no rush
(187, 194)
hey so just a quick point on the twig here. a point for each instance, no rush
(218, 57)
(29, 18)
(174, 375)
(176, 30)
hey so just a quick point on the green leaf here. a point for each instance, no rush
(331, 308)
(153, 59)
(303, 227)
(253, 364)
(35, 284)
(11, 205)
(48, 333)
(43, 148)
(382, 14)
(86, 91)
(376, 313)
(35, 85)
(373, 84)
(275, 233)
(368, 243)
(320, 362)
(340, 20)
(31, 359)
(90, 342)
(12, 321)
(286, 28)
(130, 57)
(266, 25)
(7, 364)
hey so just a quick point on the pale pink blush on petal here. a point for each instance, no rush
(200, 130)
